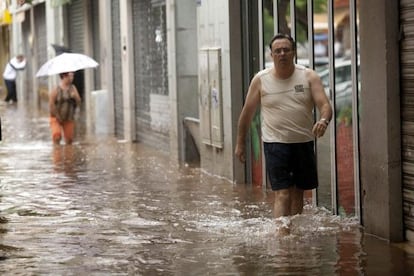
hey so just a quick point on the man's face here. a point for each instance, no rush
(282, 52)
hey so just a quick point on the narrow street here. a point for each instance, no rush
(107, 207)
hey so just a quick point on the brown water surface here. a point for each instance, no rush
(107, 207)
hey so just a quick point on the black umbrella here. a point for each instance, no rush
(59, 49)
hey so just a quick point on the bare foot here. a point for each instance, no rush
(283, 225)
(283, 231)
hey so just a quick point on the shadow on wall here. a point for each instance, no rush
(192, 141)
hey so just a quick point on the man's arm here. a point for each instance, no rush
(246, 116)
(322, 103)
(18, 65)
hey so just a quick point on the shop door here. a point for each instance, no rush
(151, 78)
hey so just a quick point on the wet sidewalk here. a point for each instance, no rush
(106, 207)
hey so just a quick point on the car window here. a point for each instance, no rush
(343, 73)
(325, 78)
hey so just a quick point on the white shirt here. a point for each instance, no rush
(286, 107)
(10, 73)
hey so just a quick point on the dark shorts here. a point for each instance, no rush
(290, 165)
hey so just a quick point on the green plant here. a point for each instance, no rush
(345, 116)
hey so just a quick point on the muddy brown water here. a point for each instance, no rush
(108, 207)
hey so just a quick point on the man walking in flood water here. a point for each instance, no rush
(10, 74)
(286, 94)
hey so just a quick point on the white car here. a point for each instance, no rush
(343, 83)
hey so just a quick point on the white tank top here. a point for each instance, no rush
(286, 107)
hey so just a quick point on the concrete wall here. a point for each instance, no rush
(125, 10)
(237, 80)
(55, 35)
(182, 71)
(105, 66)
(4, 56)
(380, 143)
(214, 31)
(160, 113)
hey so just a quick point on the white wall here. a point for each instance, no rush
(125, 9)
(182, 70)
(214, 31)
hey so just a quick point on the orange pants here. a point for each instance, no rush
(67, 127)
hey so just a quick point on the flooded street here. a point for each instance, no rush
(106, 207)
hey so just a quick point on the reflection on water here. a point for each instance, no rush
(101, 206)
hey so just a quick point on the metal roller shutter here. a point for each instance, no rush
(29, 70)
(76, 36)
(41, 39)
(151, 81)
(94, 11)
(117, 70)
(76, 23)
(407, 112)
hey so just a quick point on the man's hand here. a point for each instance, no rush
(240, 153)
(319, 128)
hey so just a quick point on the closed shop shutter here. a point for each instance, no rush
(29, 70)
(76, 23)
(151, 81)
(35, 49)
(41, 39)
(76, 36)
(94, 10)
(117, 70)
(407, 112)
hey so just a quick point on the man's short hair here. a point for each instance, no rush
(283, 36)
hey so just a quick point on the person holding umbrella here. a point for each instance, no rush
(65, 98)
(10, 74)
(63, 101)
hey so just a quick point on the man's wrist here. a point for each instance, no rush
(324, 120)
